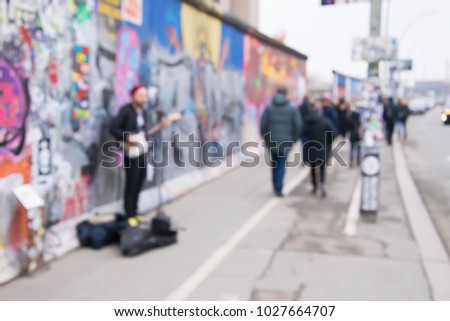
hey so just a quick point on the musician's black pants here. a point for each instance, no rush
(135, 172)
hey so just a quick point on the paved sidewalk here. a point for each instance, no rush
(226, 204)
(297, 252)
(300, 252)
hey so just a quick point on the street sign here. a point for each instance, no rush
(132, 11)
(400, 65)
(332, 2)
(374, 70)
(370, 168)
(374, 49)
(34, 204)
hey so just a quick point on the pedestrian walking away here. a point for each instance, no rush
(329, 110)
(321, 133)
(281, 125)
(343, 112)
(355, 135)
(403, 115)
(305, 109)
(390, 115)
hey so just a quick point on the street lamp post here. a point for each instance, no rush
(370, 164)
(392, 69)
(375, 31)
(416, 20)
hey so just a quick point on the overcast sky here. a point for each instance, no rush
(325, 33)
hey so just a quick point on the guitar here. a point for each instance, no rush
(137, 144)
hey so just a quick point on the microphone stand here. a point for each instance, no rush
(158, 176)
(161, 216)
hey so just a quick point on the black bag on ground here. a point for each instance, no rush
(161, 224)
(139, 237)
(98, 234)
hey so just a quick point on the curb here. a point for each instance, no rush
(434, 257)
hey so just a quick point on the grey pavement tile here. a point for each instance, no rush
(244, 263)
(326, 277)
(276, 295)
(223, 288)
(381, 262)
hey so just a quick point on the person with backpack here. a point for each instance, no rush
(329, 109)
(281, 125)
(321, 132)
(355, 135)
(305, 106)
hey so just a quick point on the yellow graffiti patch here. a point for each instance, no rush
(109, 11)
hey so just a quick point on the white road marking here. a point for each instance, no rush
(351, 222)
(185, 289)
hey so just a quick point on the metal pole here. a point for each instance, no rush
(375, 31)
(375, 18)
(370, 165)
(414, 21)
(3, 17)
(388, 18)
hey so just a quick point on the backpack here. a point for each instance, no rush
(97, 235)
(401, 113)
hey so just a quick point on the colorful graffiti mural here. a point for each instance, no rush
(266, 68)
(65, 70)
(81, 84)
(128, 60)
(13, 111)
(15, 168)
(202, 41)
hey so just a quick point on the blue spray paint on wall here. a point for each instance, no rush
(232, 48)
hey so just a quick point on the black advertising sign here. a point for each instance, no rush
(331, 2)
(370, 168)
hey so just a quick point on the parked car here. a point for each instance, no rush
(445, 116)
(419, 105)
(432, 102)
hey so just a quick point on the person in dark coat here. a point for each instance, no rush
(354, 129)
(390, 117)
(329, 110)
(343, 113)
(305, 109)
(281, 125)
(131, 127)
(402, 119)
(320, 132)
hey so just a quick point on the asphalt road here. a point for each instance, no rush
(428, 157)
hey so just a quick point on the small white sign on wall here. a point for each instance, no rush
(132, 11)
(28, 197)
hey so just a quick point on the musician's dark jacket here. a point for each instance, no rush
(125, 123)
